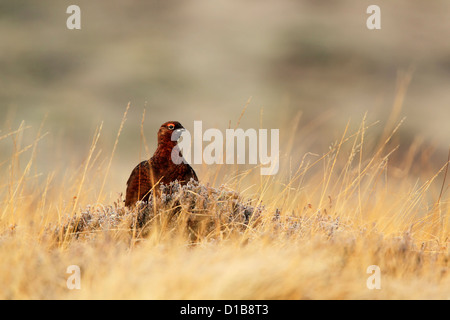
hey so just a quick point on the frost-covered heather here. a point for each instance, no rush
(200, 207)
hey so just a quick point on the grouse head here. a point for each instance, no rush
(169, 133)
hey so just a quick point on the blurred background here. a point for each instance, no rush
(203, 60)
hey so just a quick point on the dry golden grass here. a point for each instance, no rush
(309, 232)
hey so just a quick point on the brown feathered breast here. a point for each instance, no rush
(160, 168)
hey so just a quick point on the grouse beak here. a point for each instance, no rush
(177, 134)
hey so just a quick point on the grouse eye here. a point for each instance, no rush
(171, 127)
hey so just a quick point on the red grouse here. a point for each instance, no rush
(161, 168)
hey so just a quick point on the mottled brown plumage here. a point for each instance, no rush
(160, 168)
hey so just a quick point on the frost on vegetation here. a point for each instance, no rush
(195, 205)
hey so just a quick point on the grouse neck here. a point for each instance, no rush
(165, 150)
